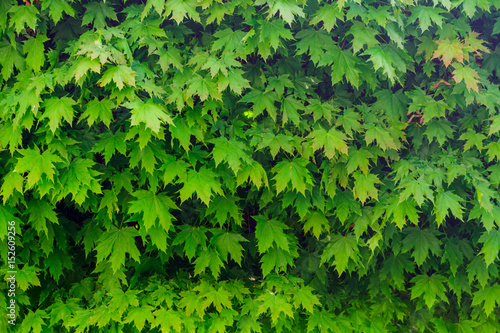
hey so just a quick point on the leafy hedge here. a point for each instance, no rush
(251, 166)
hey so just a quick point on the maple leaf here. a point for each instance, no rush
(153, 115)
(383, 137)
(276, 304)
(322, 321)
(269, 231)
(208, 259)
(431, 287)
(364, 186)
(139, 316)
(114, 244)
(332, 141)
(449, 50)
(153, 207)
(447, 200)
(358, 158)
(491, 247)
(220, 297)
(83, 65)
(11, 181)
(120, 75)
(234, 80)
(362, 35)
(23, 15)
(329, 14)
(261, 101)
(97, 13)
(203, 182)
(224, 206)
(317, 222)
(344, 63)
(470, 6)
(204, 87)
(193, 238)
(382, 59)
(231, 151)
(34, 50)
(33, 321)
(275, 143)
(287, 9)
(418, 188)
(294, 172)
(255, 173)
(56, 109)
(56, 9)
(490, 295)
(421, 241)
(36, 165)
(181, 9)
(468, 75)
(313, 41)
(169, 320)
(426, 15)
(229, 243)
(27, 276)
(305, 298)
(271, 35)
(342, 248)
(40, 213)
(98, 110)
(10, 56)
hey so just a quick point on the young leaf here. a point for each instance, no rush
(153, 207)
(431, 287)
(332, 141)
(36, 165)
(275, 304)
(491, 245)
(444, 201)
(490, 295)
(114, 244)
(203, 183)
(268, 232)
(151, 114)
(421, 241)
(294, 172)
(56, 109)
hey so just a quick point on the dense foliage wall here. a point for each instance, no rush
(250, 166)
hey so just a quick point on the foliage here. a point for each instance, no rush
(251, 166)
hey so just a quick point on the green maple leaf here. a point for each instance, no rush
(98, 110)
(490, 295)
(83, 64)
(110, 143)
(204, 87)
(151, 114)
(322, 321)
(362, 35)
(305, 298)
(36, 165)
(40, 213)
(344, 63)
(56, 109)
(34, 50)
(23, 15)
(220, 297)
(332, 141)
(313, 41)
(33, 321)
(404, 210)
(193, 238)
(229, 243)
(421, 241)
(358, 158)
(447, 200)
(269, 231)
(169, 320)
(364, 186)
(255, 173)
(27, 277)
(114, 244)
(288, 9)
(96, 13)
(10, 56)
(469, 6)
(449, 50)
(495, 125)
(231, 151)
(170, 57)
(139, 316)
(172, 168)
(276, 142)
(294, 172)
(317, 222)
(62, 311)
(329, 14)
(272, 34)
(395, 266)
(468, 75)
(426, 15)
(228, 40)
(146, 156)
(431, 287)
(395, 104)
(381, 135)
(439, 129)
(491, 247)
(123, 300)
(493, 151)
(181, 9)
(320, 110)
(275, 304)
(209, 258)
(56, 9)
(11, 181)
(120, 75)
(289, 108)
(382, 59)
(261, 101)
(224, 206)
(153, 207)
(234, 80)
(418, 188)
(342, 248)
(203, 183)
(478, 269)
